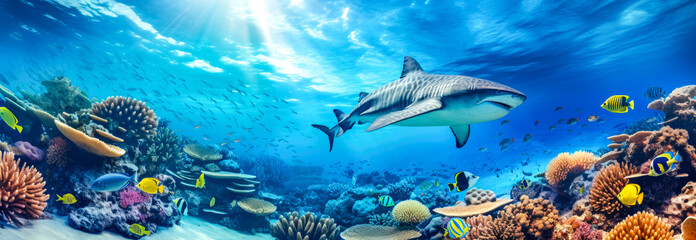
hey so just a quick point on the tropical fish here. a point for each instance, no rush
(67, 199)
(457, 228)
(617, 104)
(181, 206)
(437, 183)
(237, 140)
(581, 190)
(504, 122)
(112, 182)
(664, 163)
(371, 192)
(196, 127)
(527, 137)
(138, 229)
(525, 183)
(558, 108)
(654, 93)
(426, 185)
(483, 149)
(10, 119)
(200, 182)
(506, 141)
(212, 202)
(150, 185)
(463, 181)
(592, 118)
(572, 121)
(386, 201)
(537, 123)
(552, 127)
(630, 195)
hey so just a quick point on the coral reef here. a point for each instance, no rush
(679, 109)
(58, 152)
(372, 232)
(60, 96)
(384, 219)
(477, 223)
(87, 143)
(27, 150)
(504, 227)
(537, 217)
(476, 196)
(462, 210)
(410, 211)
(402, 190)
(131, 115)
(688, 229)
(566, 166)
(22, 192)
(585, 232)
(292, 226)
(130, 195)
(161, 151)
(642, 225)
(270, 170)
(606, 185)
(680, 207)
(202, 152)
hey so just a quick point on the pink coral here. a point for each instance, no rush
(26, 149)
(57, 152)
(130, 196)
(585, 232)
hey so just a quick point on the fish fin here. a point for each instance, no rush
(461, 134)
(415, 109)
(640, 198)
(19, 128)
(147, 233)
(339, 115)
(631, 104)
(59, 198)
(331, 132)
(362, 95)
(160, 189)
(134, 178)
(451, 186)
(677, 158)
(410, 65)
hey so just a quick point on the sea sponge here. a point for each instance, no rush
(202, 152)
(476, 196)
(410, 211)
(292, 226)
(566, 166)
(477, 223)
(257, 206)
(607, 184)
(374, 232)
(642, 225)
(29, 151)
(58, 152)
(537, 217)
(21, 190)
(139, 121)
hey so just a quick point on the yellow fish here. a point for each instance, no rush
(617, 104)
(437, 183)
(630, 195)
(150, 185)
(67, 199)
(212, 202)
(200, 182)
(10, 119)
(582, 190)
(138, 229)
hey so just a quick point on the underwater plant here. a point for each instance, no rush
(22, 192)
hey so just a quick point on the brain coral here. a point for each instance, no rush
(134, 116)
(21, 190)
(477, 196)
(606, 185)
(564, 166)
(410, 211)
(640, 226)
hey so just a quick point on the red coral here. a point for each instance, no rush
(130, 196)
(57, 152)
(585, 232)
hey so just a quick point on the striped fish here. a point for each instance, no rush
(457, 228)
(386, 201)
(654, 93)
(181, 205)
(525, 183)
(617, 104)
(664, 163)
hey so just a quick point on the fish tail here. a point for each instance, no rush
(146, 233)
(631, 104)
(640, 198)
(160, 188)
(451, 186)
(134, 178)
(19, 128)
(677, 158)
(330, 132)
(59, 198)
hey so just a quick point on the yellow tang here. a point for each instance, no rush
(630, 195)
(200, 182)
(582, 190)
(67, 199)
(617, 104)
(212, 202)
(150, 185)
(10, 119)
(138, 229)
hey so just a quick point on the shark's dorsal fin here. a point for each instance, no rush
(362, 95)
(410, 65)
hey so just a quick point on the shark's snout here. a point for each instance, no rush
(504, 98)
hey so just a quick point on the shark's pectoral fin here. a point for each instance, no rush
(461, 133)
(415, 109)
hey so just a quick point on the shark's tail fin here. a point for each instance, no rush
(331, 132)
(343, 123)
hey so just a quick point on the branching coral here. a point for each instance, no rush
(410, 211)
(21, 190)
(606, 185)
(292, 226)
(58, 152)
(642, 225)
(163, 149)
(373, 232)
(384, 219)
(565, 166)
(60, 96)
(128, 114)
(269, 170)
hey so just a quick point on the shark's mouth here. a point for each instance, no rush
(500, 104)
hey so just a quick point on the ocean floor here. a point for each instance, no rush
(190, 228)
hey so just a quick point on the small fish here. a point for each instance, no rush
(664, 163)
(386, 201)
(371, 192)
(592, 118)
(581, 190)
(572, 121)
(200, 182)
(552, 127)
(150, 185)
(457, 228)
(437, 183)
(181, 205)
(138, 229)
(630, 195)
(561, 120)
(196, 127)
(223, 143)
(618, 104)
(10, 119)
(527, 137)
(463, 181)
(525, 183)
(558, 108)
(67, 199)
(112, 182)
(237, 140)
(654, 93)
(537, 123)
(526, 173)
(483, 149)
(212, 202)
(504, 122)
(426, 185)
(506, 141)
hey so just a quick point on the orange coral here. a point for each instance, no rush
(642, 225)
(536, 216)
(565, 166)
(504, 227)
(21, 190)
(477, 224)
(606, 185)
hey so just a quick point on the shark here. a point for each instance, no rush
(419, 98)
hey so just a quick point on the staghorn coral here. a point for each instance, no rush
(372, 232)
(476, 196)
(384, 219)
(537, 217)
(21, 190)
(58, 152)
(162, 150)
(642, 225)
(60, 96)
(139, 121)
(292, 226)
(606, 185)
(477, 223)
(410, 211)
(257, 206)
(566, 166)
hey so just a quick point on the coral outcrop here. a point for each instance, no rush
(58, 152)
(60, 96)
(372, 232)
(477, 223)
(292, 226)
(22, 192)
(537, 217)
(607, 184)
(566, 166)
(680, 207)
(476, 196)
(410, 212)
(679, 109)
(504, 227)
(161, 151)
(131, 115)
(642, 225)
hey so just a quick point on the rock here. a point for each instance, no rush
(212, 167)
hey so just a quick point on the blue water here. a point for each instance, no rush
(261, 72)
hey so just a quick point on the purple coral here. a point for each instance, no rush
(26, 149)
(130, 196)
(585, 232)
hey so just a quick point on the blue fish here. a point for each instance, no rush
(386, 201)
(457, 228)
(113, 182)
(664, 163)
